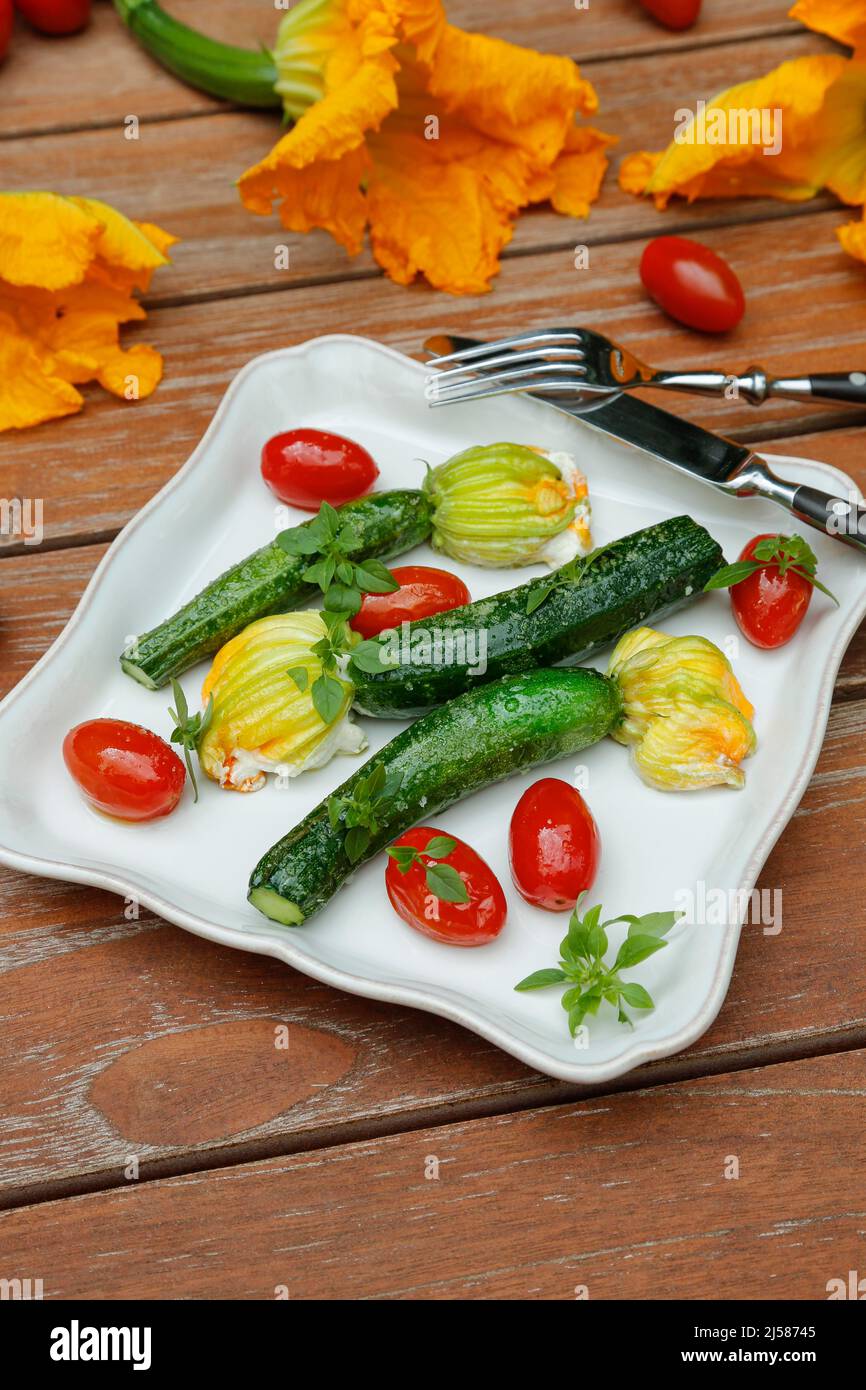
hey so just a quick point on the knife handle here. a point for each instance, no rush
(844, 519)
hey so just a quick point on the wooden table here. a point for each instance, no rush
(129, 1046)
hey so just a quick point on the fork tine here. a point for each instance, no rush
(504, 359)
(566, 372)
(553, 336)
(475, 390)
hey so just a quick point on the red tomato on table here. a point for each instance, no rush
(423, 591)
(308, 467)
(692, 284)
(123, 769)
(553, 845)
(6, 22)
(769, 606)
(55, 16)
(471, 923)
(674, 14)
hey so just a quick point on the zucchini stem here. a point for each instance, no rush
(242, 75)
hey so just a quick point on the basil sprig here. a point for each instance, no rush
(570, 574)
(327, 691)
(443, 880)
(189, 729)
(582, 967)
(328, 541)
(363, 813)
(784, 552)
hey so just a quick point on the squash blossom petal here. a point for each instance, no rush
(69, 268)
(262, 720)
(685, 718)
(431, 137)
(507, 504)
(844, 20)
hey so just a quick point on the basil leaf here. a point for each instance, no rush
(729, 575)
(635, 949)
(537, 597)
(404, 855)
(444, 882)
(541, 979)
(654, 923)
(356, 842)
(637, 996)
(575, 1019)
(374, 577)
(342, 598)
(369, 656)
(300, 675)
(328, 697)
(440, 847)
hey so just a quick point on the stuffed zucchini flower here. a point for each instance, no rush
(266, 711)
(507, 504)
(686, 720)
(68, 271)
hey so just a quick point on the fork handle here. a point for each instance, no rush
(755, 386)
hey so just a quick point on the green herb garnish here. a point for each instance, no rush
(331, 538)
(572, 574)
(582, 966)
(363, 812)
(785, 552)
(443, 880)
(328, 693)
(189, 730)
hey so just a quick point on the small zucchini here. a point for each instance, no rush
(581, 608)
(481, 737)
(268, 581)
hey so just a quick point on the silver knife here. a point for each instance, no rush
(712, 458)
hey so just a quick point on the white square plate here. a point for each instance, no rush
(192, 868)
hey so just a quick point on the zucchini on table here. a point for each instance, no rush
(675, 701)
(269, 581)
(557, 618)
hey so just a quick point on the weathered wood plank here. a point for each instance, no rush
(805, 312)
(104, 75)
(181, 175)
(703, 1190)
(139, 1066)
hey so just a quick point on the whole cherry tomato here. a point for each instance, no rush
(55, 16)
(124, 770)
(770, 604)
(674, 14)
(6, 22)
(414, 897)
(692, 284)
(553, 845)
(423, 591)
(308, 467)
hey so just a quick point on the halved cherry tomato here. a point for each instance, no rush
(308, 467)
(423, 591)
(124, 770)
(6, 22)
(692, 284)
(674, 14)
(472, 923)
(553, 845)
(55, 16)
(769, 606)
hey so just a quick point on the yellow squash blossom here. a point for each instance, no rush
(799, 129)
(432, 137)
(68, 271)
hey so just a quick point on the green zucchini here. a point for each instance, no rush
(634, 580)
(481, 737)
(268, 581)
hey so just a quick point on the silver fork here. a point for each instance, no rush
(583, 364)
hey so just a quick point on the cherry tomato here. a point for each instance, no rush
(674, 14)
(124, 770)
(6, 22)
(423, 591)
(309, 467)
(472, 923)
(769, 606)
(55, 16)
(553, 845)
(692, 284)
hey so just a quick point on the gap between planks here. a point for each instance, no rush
(546, 1094)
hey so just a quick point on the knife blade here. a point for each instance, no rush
(711, 458)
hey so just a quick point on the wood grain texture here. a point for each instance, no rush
(625, 1197)
(96, 469)
(171, 176)
(169, 1053)
(104, 75)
